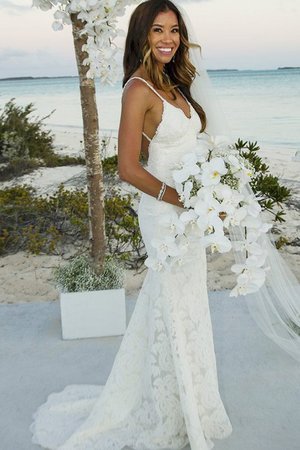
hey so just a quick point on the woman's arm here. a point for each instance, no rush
(136, 101)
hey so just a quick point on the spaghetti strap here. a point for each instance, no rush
(148, 84)
(183, 96)
(147, 137)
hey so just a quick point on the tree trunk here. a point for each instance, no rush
(92, 150)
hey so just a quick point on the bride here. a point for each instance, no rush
(162, 392)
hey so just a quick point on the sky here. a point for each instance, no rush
(234, 34)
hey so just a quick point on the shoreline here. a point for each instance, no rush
(28, 278)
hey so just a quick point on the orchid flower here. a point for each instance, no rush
(217, 242)
(185, 193)
(253, 207)
(209, 142)
(172, 223)
(155, 264)
(188, 217)
(234, 162)
(249, 245)
(204, 206)
(208, 212)
(44, 5)
(256, 260)
(223, 192)
(256, 223)
(212, 171)
(165, 247)
(249, 280)
(189, 220)
(187, 168)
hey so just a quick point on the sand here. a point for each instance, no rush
(27, 278)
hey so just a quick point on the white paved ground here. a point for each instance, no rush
(259, 383)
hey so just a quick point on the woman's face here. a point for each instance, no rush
(164, 37)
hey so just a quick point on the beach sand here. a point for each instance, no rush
(27, 278)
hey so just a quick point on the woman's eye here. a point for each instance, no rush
(159, 30)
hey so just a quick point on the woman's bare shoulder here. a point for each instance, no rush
(136, 90)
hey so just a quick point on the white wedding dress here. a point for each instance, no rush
(162, 391)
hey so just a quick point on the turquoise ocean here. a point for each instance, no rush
(260, 105)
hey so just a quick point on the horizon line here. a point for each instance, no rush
(31, 77)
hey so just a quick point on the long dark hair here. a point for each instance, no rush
(180, 72)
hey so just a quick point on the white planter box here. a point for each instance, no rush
(93, 313)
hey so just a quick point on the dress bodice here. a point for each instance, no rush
(175, 135)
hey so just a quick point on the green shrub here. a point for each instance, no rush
(110, 166)
(122, 228)
(17, 167)
(41, 224)
(47, 224)
(25, 145)
(281, 241)
(21, 135)
(54, 160)
(78, 275)
(264, 184)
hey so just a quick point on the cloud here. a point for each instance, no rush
(15, 8)
(36, 62)
(7, 54)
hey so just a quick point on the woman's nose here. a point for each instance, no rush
(167, 36)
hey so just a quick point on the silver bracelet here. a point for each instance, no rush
(162, 191)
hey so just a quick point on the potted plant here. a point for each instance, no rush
(91, 305)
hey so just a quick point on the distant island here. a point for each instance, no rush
(222, 70)
(37, 78)
(287, 68)
(76, 76)
(208, 70)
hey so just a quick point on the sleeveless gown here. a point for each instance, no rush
(162, 392)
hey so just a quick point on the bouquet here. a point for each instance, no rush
(212, 183)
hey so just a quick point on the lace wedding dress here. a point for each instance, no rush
(162, 392)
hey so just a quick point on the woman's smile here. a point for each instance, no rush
(165, 50)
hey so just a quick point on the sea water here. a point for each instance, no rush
(260, 105)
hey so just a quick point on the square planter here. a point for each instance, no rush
(93, 313)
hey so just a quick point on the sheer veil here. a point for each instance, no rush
(276, 306)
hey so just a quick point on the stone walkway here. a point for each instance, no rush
(259, 383)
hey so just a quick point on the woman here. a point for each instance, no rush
(158, 57)
(162, 392)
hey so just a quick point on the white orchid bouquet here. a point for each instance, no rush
(211, 181)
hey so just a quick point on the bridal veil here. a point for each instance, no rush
(276, 306)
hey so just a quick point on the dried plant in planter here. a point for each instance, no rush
(77, 275)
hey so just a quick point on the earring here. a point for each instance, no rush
(173, 59)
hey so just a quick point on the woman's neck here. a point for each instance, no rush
(141, 72)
